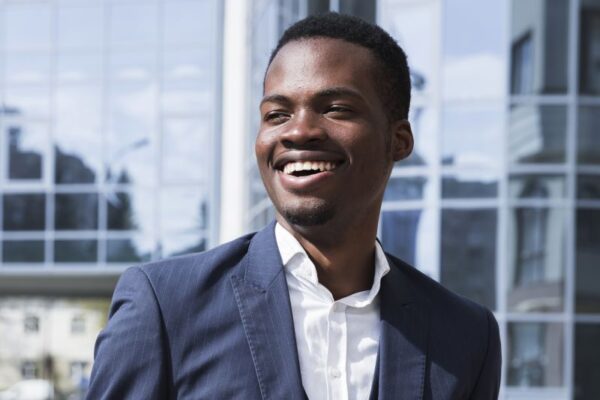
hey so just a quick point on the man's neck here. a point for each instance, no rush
(344, 258)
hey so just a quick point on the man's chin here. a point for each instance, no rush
(313, 217)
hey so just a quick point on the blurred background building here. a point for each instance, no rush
(127, 130)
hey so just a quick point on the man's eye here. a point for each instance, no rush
(337, 110)
(276, 117)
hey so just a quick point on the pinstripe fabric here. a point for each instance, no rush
(218, 325)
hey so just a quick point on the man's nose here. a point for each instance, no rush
(306, 128)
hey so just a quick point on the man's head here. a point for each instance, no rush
(329, 136)
(392, 74)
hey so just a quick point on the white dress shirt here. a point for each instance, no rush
(337, 340)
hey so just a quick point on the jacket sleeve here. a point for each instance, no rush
(488, 382)
(131, 356)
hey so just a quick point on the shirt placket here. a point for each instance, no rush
(336, 355)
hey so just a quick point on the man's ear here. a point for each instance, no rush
(402, 140)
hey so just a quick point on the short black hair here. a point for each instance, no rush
(395, 76)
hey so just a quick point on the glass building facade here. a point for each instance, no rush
(500, 200)
(110, 155)
(109, 122)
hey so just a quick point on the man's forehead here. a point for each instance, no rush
(309, 59)
(332, 49)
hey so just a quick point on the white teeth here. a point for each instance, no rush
(292, 167)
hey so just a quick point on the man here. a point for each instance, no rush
(310, 306)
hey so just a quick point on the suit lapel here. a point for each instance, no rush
(263, 301)
(401, 362)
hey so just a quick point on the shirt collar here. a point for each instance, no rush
(296, 262)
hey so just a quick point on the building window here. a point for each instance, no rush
(532, 229)
(77, 371)
(589, 67)
(522, 65)
(78, 325)
(31, 324)
(29, 370)
(531, 255)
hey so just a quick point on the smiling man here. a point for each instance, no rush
(311, 306)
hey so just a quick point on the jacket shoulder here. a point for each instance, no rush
(196, 268)
(439, 298)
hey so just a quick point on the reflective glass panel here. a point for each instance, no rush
(587, 367)
(407, 235)
(415, 26)
(588, 187)
(257, 188)
(188, 98)
(262, 218)
(473, 46)
(466, 185)
(75, 251)
(80, 26)
(587, 274)
(183, 209)
(535, 354)
(131, 135)
(423, 121)
(24, 212)
(77, 135)
(27, 67)
(532, 186)
(189, 63)
(28, 101)
(79, 67)
(190, 21)
(471, 135)
(537, 134)
(468, 259)
(536, 256)
(588, 141)
(409, 188)
(76, 211)
(27, 25)
(185, 243)
(359, 8)
(539, 38)
(131, 210)
(133, 23)
(23, 251)
(186, 150)
(27, 148)
(131, 250)
(589, 50)
(132, 65)
(315, 7)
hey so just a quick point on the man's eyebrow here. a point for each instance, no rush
(339, 92)
(329, 92)
(275, 98)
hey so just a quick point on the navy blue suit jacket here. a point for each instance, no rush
(218, 325)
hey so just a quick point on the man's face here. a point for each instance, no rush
(325, 147)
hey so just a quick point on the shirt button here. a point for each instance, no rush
(335, 373)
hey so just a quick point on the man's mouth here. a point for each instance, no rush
(306, 168)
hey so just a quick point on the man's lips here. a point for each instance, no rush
(305, 171)
(304, 183)
(300, 162)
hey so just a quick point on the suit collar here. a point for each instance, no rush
(262, 297)
(402, 357)
(263, 261)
